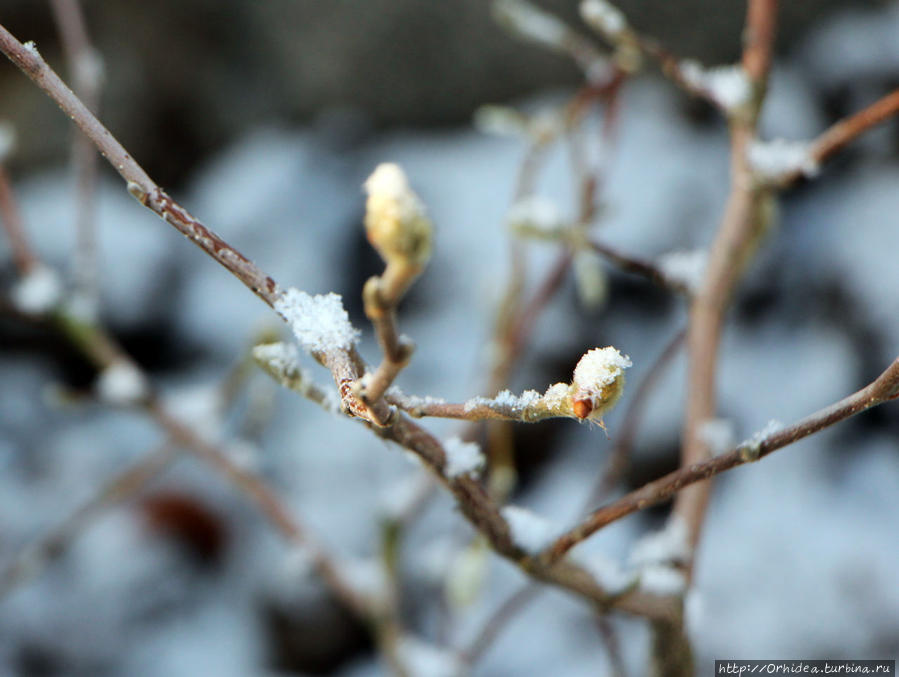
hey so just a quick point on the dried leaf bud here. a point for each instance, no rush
(598, 382)
(395, 219)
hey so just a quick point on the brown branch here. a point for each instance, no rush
(85, 67)
(741, 225)
(11, 219)
(31, 560)
(345, 366)
(884, 388)
(140, 185)
(639, 266)
(844, 132)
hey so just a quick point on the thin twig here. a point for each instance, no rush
(741, 223)
(640, 266)
(85, 67)
(842, 133)
(884, 388)
(620, 455)
(498, 621)
(11, 219)
(345, 365)
(140, 185)
(32, 559)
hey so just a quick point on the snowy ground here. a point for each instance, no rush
(798, 556)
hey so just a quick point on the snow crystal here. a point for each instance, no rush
(600, 367)
(556, 395)
(319, 322)
(604, 17)
(529, 22)
(462, 458)
(535, 215)
(38, 291)
(684, 267)
(422, 659)
(505, 399)
(530, 532)
(665, 546)
(122, 383)
(729, 86)
(32, 47)
(7, 140)
(717, 434)
(779, 158)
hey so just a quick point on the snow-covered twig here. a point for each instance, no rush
(529, 22)
(884, 388)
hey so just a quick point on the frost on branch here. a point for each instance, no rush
(778, 159)
(319, 322)
(751, 448)
(39, 291)
(596, 386)
(530, 531)
(122, 384)
(531, 23)
(684, 268)
(658, 556)
(604, 18)
(536, 216)
(728, 86)
(462, 458)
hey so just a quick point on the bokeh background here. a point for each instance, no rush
(264, 119)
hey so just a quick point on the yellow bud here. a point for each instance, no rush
(395, 219)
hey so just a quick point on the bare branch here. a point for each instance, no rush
(140, 185)
(742, 224)
(86, 69)
(23, 257)
(122, 487)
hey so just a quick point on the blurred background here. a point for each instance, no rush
(264, 119)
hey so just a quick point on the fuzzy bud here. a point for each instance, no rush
(598, 382)
(395, 219)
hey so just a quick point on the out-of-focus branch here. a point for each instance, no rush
(884, 388)
(123, 486)
(23, 257)
(640, 266)
(622, 447)
(86, 68)
(498, 621)
(742, 224)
